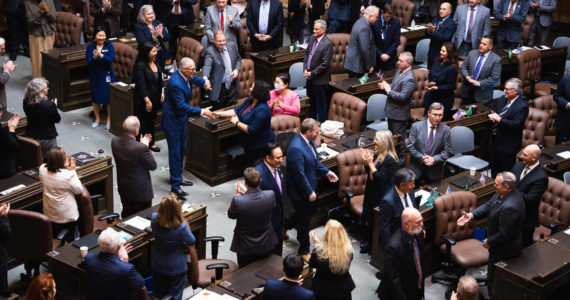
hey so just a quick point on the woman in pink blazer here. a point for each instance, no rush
(283, 101)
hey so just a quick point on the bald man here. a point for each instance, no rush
(532, 181)
(440, 30)
(467, 289)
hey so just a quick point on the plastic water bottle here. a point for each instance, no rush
(413, 25)
(100, 154)
(361, 140)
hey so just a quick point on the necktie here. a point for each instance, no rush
(311, 55)
(470, 27)
(438, 24)
(511, 8)
(418, 262)
(503, 111)
(222, 20)
(526, 170)
(430, 140)
(478, 67)
(314, 150)
(406, 200)
(228, 67)
(277, 180)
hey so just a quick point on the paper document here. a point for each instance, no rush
(567, 231)
(12, 189)
(403, 30)
(565, 154)
(138, 222)
(209, 295)
(425, 195)
(326, 152)
(120, 83)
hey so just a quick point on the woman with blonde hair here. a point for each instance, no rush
(380, 170)
(41, 288)
(332, 258)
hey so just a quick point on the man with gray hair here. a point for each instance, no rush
(505, 214)
(317, 65)
(467, 289)
(360, 57)
(134, 161)
(5, 70)
(109, 273)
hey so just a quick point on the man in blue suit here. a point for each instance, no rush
(338, 15)
(303, 169)
(175, 113)
(289, 287)
(511, 13)
(441, 30)
(265, 21)
(272, 178)
(386, 32)
(562, 120)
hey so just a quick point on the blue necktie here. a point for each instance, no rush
(478, 67)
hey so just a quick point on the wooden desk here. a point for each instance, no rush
(553, 60)
(97, 176)
(269, 63)
(553, 164)
(195, 31)
(363, 91)
(21, 128)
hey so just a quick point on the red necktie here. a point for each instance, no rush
(222, 20)
(418, 262)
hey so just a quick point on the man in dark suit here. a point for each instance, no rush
(316, 10)
(134, 162)
(481, 71)
(532, 182)
(5, 70)
(173, 13)
(317, 64)
(222, 66)
(15, 13)
(429, 145)
(386, 38)
(218, 13)
(543, 20)
(106, 15)
(511, 14)
(505, 214)
(265, 21)
(5, 236)
(273, 179)
(175, 113)
(303, 170)
(562, 120)
(508, 117)
(359, 58)
(440, 30)
(338, 16)
(473, 22)
(288, 288)
(403, 260)
(296, 19)
(254, 237)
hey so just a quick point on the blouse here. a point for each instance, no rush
(60, 189)
(291, 104)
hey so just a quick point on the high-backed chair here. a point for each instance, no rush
(298, 81)
(554, 208)
(340, 43)
(351, 180)
(85, 223)
(547, 104)
(403, 10)
(244, 39)
(567, 177)
(29, 154)
(534, 127)
(417, 106)
(376, 112)
(422, 49)
(402, 45)
(69, 28)
(189, 47)
(347, 109)
(196, 96)
(246, 78)
(563, 41)
(125, 57)
(285, 123)
(89, 21)
(530, 71)
(457, 92)
(463, 140)
(526, 27)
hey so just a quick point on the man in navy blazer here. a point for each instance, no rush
(303, 170)
(387, 34)
(265, 28)
(272, 178)
(562, 120)
(173, 13)
(289, 287)
(511, 14)
(508, 117)
(440, 30)
(175, 113)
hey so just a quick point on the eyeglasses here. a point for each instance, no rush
(189, 69)
(508, 89)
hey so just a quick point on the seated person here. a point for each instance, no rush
(109, 273)
(289, 287)
(429, 145)
(467, 289)
(282, 100)
(9, 143)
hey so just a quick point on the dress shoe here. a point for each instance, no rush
(186, 183)
(180, 193)
(305, 257)
(364, 248)
(379, 275)
(155, 149)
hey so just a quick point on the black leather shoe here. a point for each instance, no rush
(155, 149)
(379, 275)
(180, 193)
(186, 183)
(364, 247)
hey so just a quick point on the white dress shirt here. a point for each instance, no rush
(264, 16)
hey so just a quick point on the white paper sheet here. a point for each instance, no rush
(12, 189)
(330, 152)
(565, 154)
(425, 195)
(209, 295)
(138, 222)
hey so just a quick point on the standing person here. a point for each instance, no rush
(303, 170)
(41, 288)
(331, 258)
(473, 22)
(542, 10)
(174, 13)
(254, 237)
(511, 14)
(42, 114)
(316, 10)
(224, 17)
(100, 55)
(442, 79)
(296, 19)
(338, 16)
(172, 239)
(134, 162)
(380, 171)
(317, 64)
(505, 214)
(481, 71)
(106, 14)
(9, 142)
(5, 70)
(148, 94)
(5, 235)
(360, 58)
(41, 27)
(289, 287)
(148, 29)
(265, 21)
(440, 30)
(175, 113)
(282, 100)
(562, 119)
(15, 12)
(387, 34)
(403, 260)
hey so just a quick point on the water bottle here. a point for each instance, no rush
(361, 140)
(100, 154)
(413, 25)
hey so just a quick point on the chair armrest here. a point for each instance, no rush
(215, 244)
(110, 218)
(219, 267)
(449, 242)
(347, 196)
(555, 227)
(533, 82)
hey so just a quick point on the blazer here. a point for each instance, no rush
(561, 96)
(400, 96)
(440, 149)
(11, 7)
(531, 188)
(134, 162)
(286, 290)
(254, 232)
(303, 168)
(290, 103)
(504, 222)
(99, 69)
(274, 24)
(9, 142)
(143, 34)
(442, 34)
(212, 23)
(214, 68)
(268, 183)
(4, 77)
(400, 274)
(5, 236)
(146, 85)
(111, 278)
(509, 132)
(326, 284)
(510, 29)
(339, 10)
(297, 21)
(42, 117)
(258, 121)
(387, 39)
(489, 75)
(481, 24)
(445, 78)
(360, 56)
(165, 8)
(391, 208)
(177, 95)
(320, 67)
(318, 8)
(380, 183)
(108, 19)
(544, 12)
(169, 250)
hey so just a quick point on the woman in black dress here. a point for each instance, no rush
(442, 79)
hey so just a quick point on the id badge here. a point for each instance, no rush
(108, 78)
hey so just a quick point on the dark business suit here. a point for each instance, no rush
(254, 237)
(111, 278)
(172, 21)
(5, 235)
(297, 21)
(303, 169)
(543, 20)
(214, 69)
(320, 76)
(274, 24)
(504, 222)
(268, 182)
(4, 77)
(398, 104)
(147, 84)
(143, 34)
(531, 187)
(134, 162)
(15, 13)
(510, 32)
(445, 78)
(440, 150)
(328, 285)
(338, 16)
(108, 19)
(286, 290)
(489, 75)
(360, 56)
(400, 273)
(391, 208)
(316, 11)
(9, 143)
(562, 119)
(507, 140)
(443, 33)
(386, 38)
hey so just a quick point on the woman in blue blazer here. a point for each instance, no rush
(100, 55)
(441, 80)
(148, 29)
(253, 119)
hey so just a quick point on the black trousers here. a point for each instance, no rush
(500, 161)
(132, 207)
(227, 97)
(56, 228)
(527, 236)
(17, 32)
(173, 23)
(147, 120)
(301, 221)
(399, 127)
(244, 260)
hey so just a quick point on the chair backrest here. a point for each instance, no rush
(422, 49)
(375, 109)
(196, 96)
(69, 28)
(347, 109)
(420, 91)
(29, 154)
(555, 203)
(283, 140)
(193, 267)
(124, 61)
(534, 127)
(85, 222)
(351, 173)
(462, 139)
(567, 177)
(530, 66)
(189, 47)
(31, 235)
(562, 41)
(204, 44)
(296, 75)
(526, 27)
(285, 123)
(340, 43)
(246, 77)
(448, 208)
(403, 10)
(402, 45)
(244, 37)
(547, 104)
